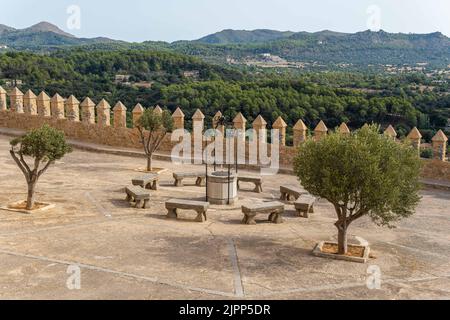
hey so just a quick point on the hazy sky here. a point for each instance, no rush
(169, 20)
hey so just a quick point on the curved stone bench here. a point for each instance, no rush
(180, 176)
(257, 181)
(136, 194)
(274, 209)
(305, 205)
(200, 207)
(287, 193)
(148, 181)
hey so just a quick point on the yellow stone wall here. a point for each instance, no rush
(118, 136)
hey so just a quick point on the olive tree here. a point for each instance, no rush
(153, 127)
(44, 146)
(361, 174)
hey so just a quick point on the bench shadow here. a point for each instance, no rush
(166, 184)
(258, 222)
(291, 213)
(172, 184)
(248, 190)
(120, 203)
(182, 219)
(201, 199)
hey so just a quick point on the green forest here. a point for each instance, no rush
(356, 98)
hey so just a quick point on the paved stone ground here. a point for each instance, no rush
(126, 253)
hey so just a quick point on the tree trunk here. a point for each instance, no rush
(149, 163)
(342, 238)
(30, 198)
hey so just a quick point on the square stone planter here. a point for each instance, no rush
(319, 253)
(155, 170)
(43, 207)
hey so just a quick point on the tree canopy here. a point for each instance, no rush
(405, 100)
(153, 127)
(44, 145)
(361, 174)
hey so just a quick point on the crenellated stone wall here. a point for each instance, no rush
(436, 169)
(82, 131)
(101, 124)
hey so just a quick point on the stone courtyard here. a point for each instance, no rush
(128, 253)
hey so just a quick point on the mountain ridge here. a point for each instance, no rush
(228, 36)
(294, 35)
(5, 28)
(45, 26)
(42, 34)
(42, 26)
(325, 47)
(224, 37)
(331, 48)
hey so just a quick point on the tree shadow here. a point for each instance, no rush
(184, 217)
(121, 203)
(261, 253)
(435, 193)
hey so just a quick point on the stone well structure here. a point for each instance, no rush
(222, 190)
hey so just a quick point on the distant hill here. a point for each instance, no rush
(243, 36)
(46, 27)
(363, 47)
(42, 34)
(5, 29)
(327, 47)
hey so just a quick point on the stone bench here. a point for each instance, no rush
(180, 176)
(257, 181)
(200, 207)
(274, 209)
(148, 181)
(287, 193)
(305, 205)
(136, 194)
